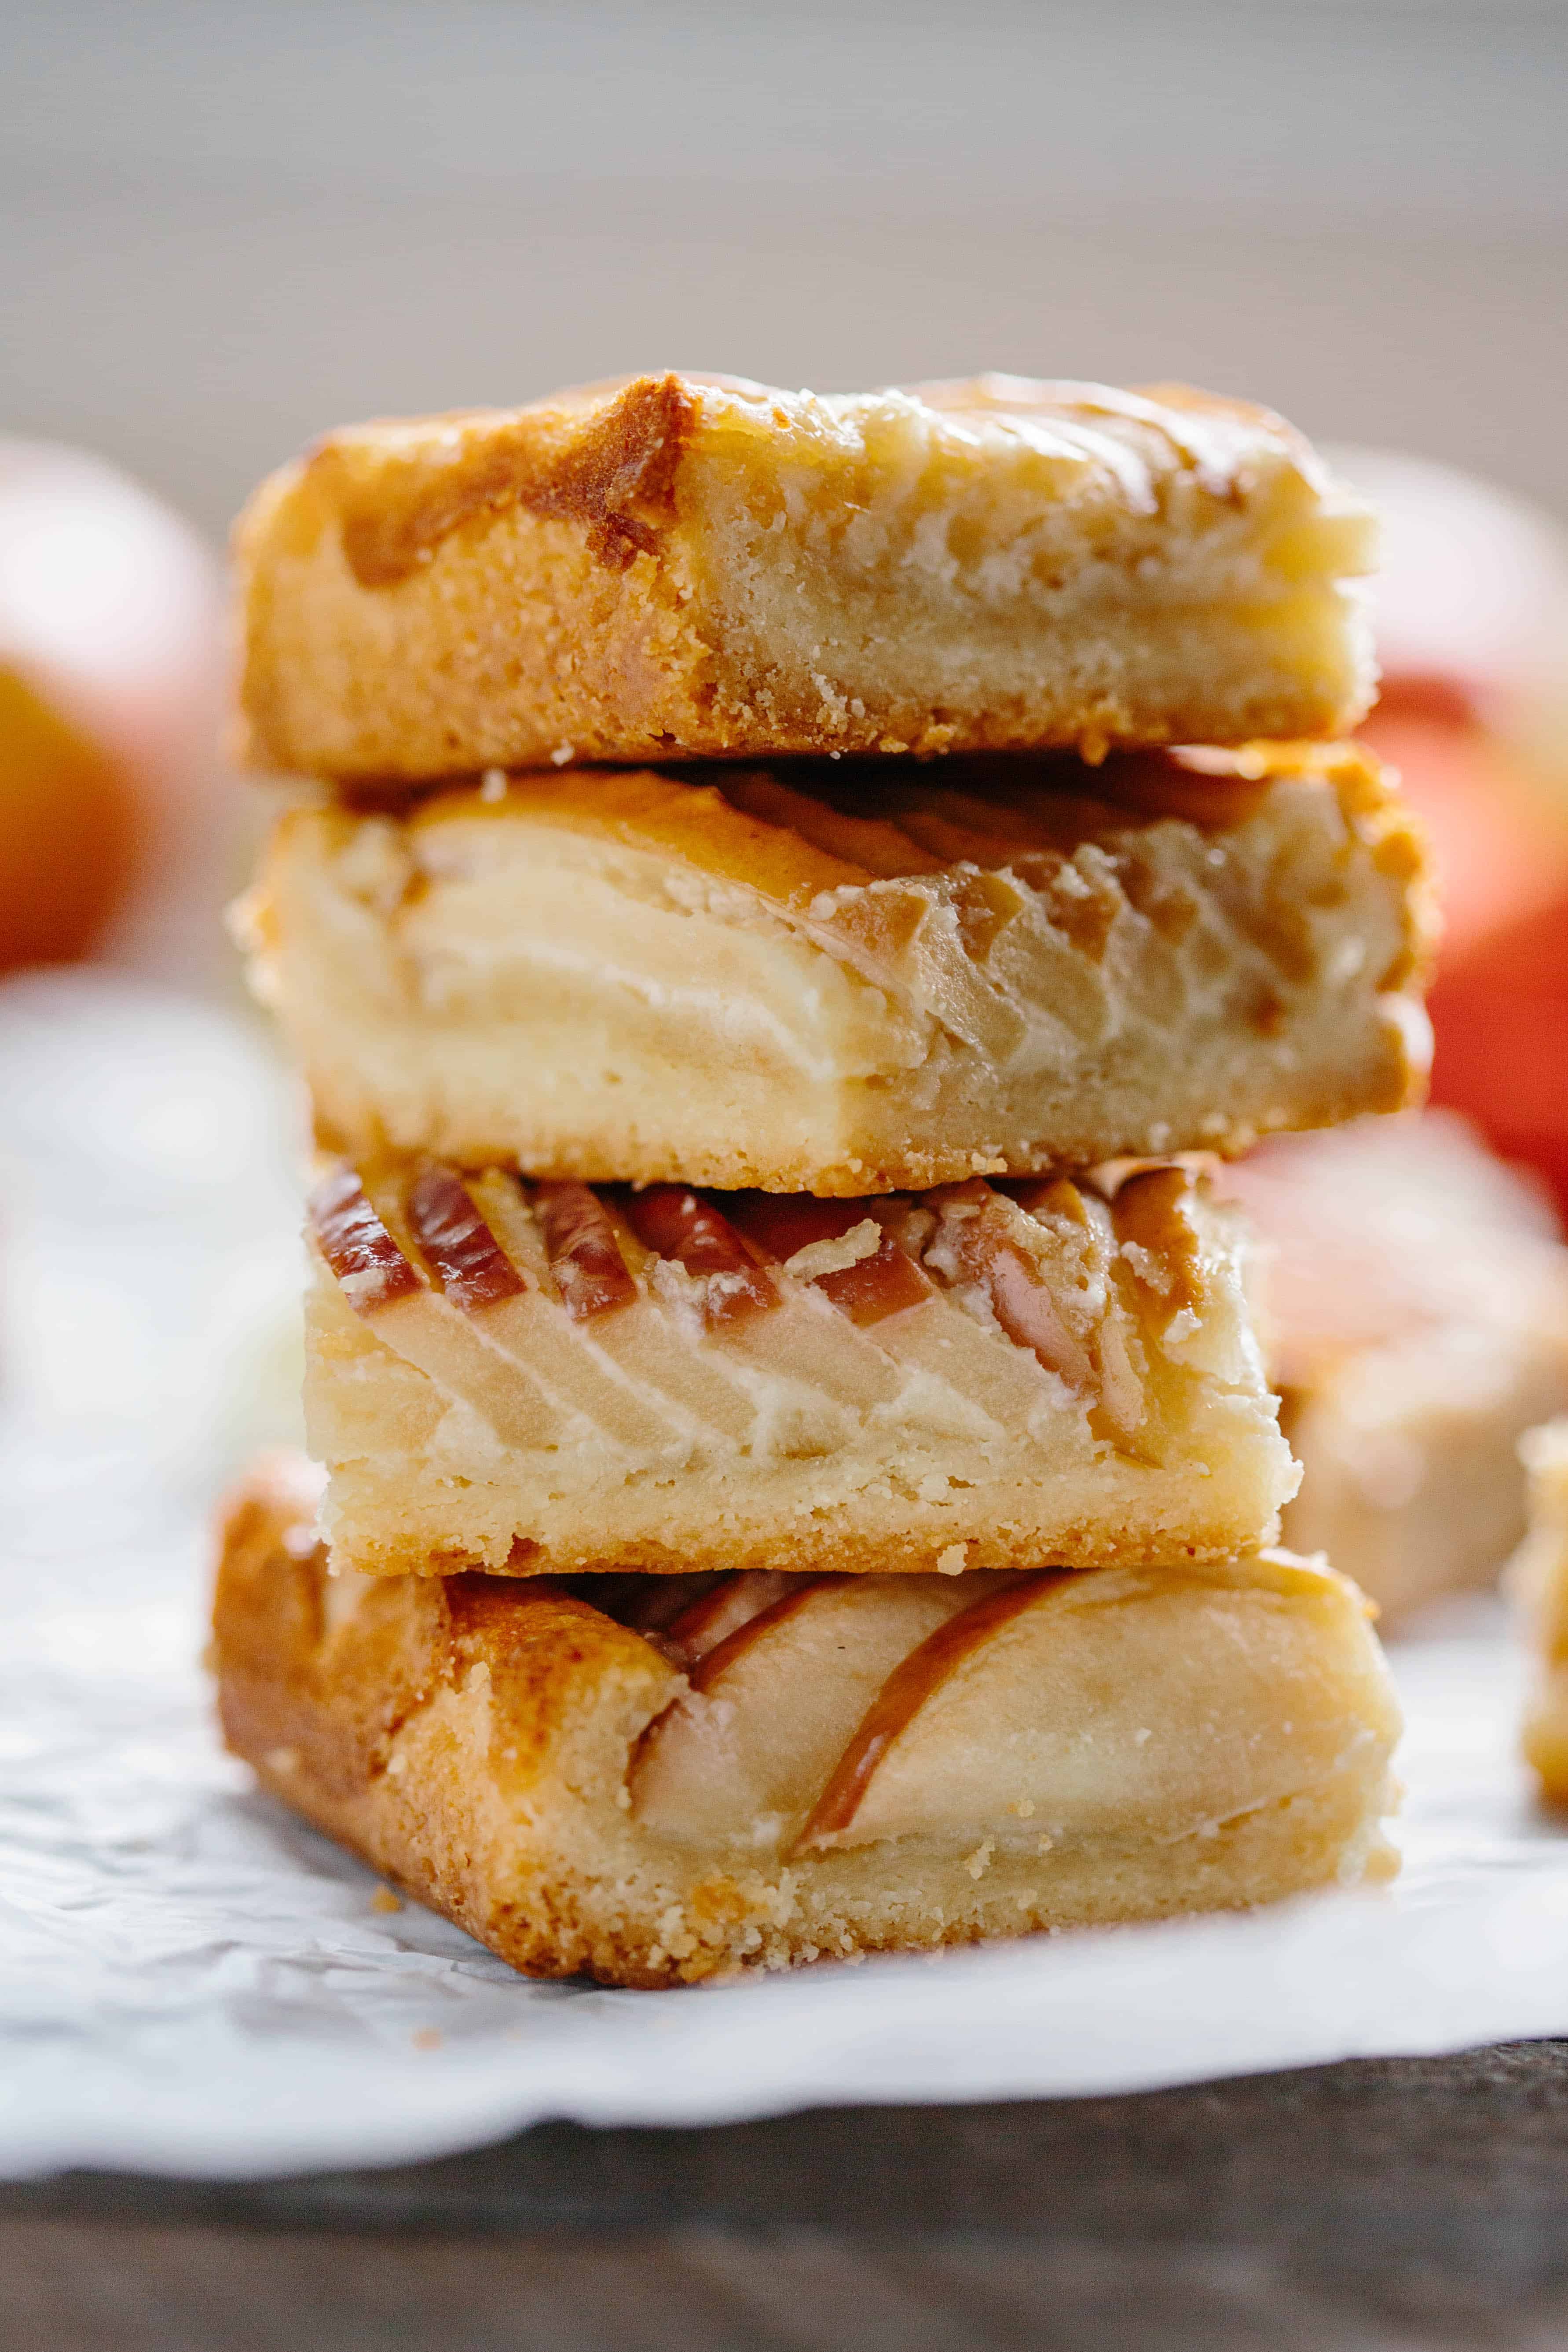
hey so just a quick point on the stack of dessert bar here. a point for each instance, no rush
(799, 1472)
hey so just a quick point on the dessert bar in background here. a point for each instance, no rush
(1414, 1313)
(1539, 1575)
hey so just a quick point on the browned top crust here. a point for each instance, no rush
(475, 548)
(606, 455)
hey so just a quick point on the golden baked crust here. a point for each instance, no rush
(845, 977)
(538, 1381)
(836, 1770)
(1415, 1312)
(1540, 1578)
(695, 565)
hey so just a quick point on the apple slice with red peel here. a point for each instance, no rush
(459, 1248)
(741, 1758)
(686, 1616)
(1176, 1699)
(906, 1691)
(718, 1614)
(532, 1338)
(684, 1226)
(676, 1372)
(765, 1319)
(882, 1282)
(416, 1321)
(585, 1256)
(371, 1271)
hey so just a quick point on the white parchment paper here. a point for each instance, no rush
(191, 1981)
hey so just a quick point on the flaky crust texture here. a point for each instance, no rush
(699, 566)
(472, 1740)
(851, 978)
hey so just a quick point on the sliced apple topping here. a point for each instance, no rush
(383, 1284)
(877, 1280)
(772, 1322)
(681, 1225)
(585, 1254)
(907, 1689)
(686, 1616)
(371, 1269)
(458, 1247)
(710, 1620)
(526, 1329)
(740, 1757)
(637, 1338)
(1082, 1703)
(759, 1318)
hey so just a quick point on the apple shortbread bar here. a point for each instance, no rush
(546, 1378)
(1539, 1577)
(703, 567)
(850, 977)
(653, 1781)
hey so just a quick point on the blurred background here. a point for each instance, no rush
(226, 227)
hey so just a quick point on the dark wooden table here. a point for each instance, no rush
(1395, 2204)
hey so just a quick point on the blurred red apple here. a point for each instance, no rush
(1473, 638)
(110, 684)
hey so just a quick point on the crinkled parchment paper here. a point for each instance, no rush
(191, 1981)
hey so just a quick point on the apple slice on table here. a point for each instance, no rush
(1080, 1703)
(743, 1756)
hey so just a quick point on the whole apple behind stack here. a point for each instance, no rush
(112, 840)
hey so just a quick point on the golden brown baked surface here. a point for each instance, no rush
(774, 1770)
(846, 977)
(544, 1379)
(1539, 1575)
(1415, 1311)
(687, 565)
